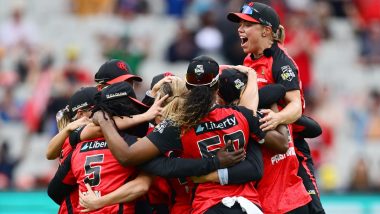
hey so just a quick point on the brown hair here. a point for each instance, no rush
(279, 35)
(197, 104)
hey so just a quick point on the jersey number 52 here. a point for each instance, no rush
(209, 146)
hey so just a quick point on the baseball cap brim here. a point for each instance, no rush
(124, 78)
(140, 105)
(237, 17)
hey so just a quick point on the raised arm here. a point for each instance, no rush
(126, 155)
(250, 97)
(55, 145)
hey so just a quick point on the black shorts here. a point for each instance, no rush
(306, 172)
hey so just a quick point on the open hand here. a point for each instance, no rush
(155, 109)
(89, 200)
(229, 158)
(270, 121)
(78, 123)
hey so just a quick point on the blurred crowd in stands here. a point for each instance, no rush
(33, 87)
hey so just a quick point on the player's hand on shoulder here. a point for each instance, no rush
(78, 123)
(227, 156)
(99, 116)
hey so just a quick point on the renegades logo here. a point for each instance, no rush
(122, 66)
(287, 73)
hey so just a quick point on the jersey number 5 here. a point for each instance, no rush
(208, 147)
(93, 172)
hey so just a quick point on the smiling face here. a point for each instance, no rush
(252, 39)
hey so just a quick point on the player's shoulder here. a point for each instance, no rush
(281, 59)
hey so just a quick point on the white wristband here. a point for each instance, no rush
(223, 176)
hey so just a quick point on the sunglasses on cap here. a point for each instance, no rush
(207, 79)
(246, 9)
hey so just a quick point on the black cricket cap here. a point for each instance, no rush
(82, 99)
(122, 90)
(231, 83)
(114, 71)
(257, 13)
(202, 70)
(159, 77)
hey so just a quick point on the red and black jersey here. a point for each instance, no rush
(278, 68)
(71, 202)
(93, 162)
(204, 140)
(280, 182)
(276, 192)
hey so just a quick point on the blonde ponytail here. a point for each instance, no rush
(280, 34)
(63, 118)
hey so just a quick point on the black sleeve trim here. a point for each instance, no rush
(251, 169)
(74, 137)
(166, 137)
(254, 124)
(179, 167)
(311, 128)
(270, 94)
(57, 190)
(148, 100)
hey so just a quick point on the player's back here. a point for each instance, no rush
(93, 162)
(206, 138)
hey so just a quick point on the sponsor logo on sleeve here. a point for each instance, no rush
(287, 73)
(238, 84)
(161, 127)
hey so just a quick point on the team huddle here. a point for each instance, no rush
(223, 139)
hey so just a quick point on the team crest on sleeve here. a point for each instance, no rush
(161, 126)
(238, 84)
(287, 73)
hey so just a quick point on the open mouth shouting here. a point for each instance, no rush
(244, 40)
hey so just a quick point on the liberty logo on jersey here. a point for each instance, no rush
(210, 126)
(93, 145)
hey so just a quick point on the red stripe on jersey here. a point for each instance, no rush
(304, 164)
